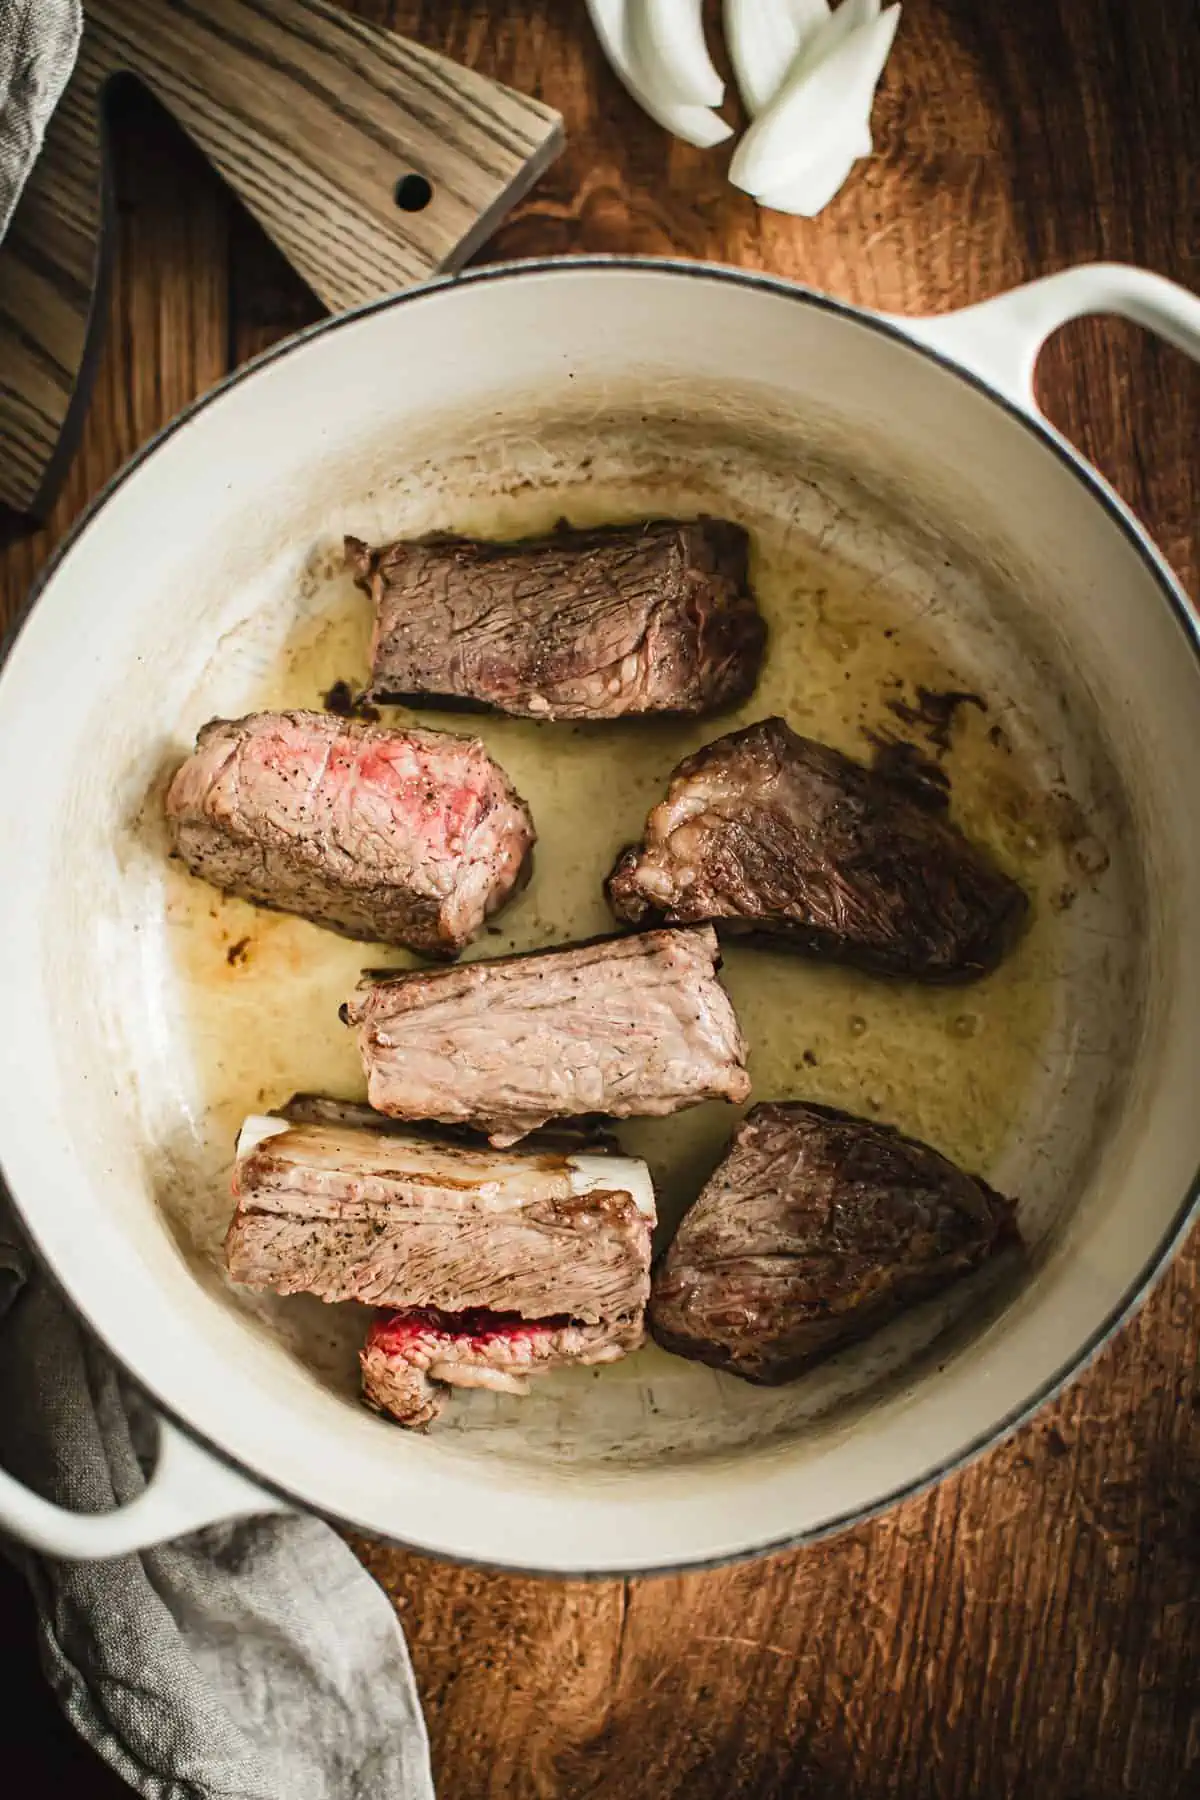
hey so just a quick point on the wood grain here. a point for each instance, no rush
(313, 117)
(1032, 1628)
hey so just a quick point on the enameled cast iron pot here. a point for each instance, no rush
(101, 1074)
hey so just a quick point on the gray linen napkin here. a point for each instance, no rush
(38, 41)
(252, 1661)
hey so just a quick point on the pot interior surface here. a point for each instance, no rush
(862, 614)
(884, 565)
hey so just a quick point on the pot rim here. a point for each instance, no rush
(1171, 590)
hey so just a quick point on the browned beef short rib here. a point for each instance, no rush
(622, 1026)
(776, 836)
(649, 618)
(816, 1230)
(410, 1358)
(399, 1219)
(400, 837)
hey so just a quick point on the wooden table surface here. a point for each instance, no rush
(1033, 1626)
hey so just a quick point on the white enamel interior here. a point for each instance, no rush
(99, 1108)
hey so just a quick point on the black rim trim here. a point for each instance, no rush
(1160, 1259)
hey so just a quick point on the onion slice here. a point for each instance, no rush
(808, 193)
(764, 38)
(825, 102)
(670, 54)
(697, 125)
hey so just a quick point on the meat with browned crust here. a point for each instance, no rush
(772, 835)
(399, 837)
(402, 1219)
(625, 1026)
(817, 1229)
(501, 1265)
(595, 624)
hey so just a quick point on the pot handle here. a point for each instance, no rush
(1000, 340)
(188, 1488)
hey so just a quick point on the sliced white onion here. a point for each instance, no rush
(764, 38)
(809, 193)
(828, 91)
(670, 53)
(771, 42)
(694, 124)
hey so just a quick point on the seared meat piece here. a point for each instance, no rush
(592, 624)
(408, 1355)
(401, 837)
(817, 1229)
(399, 1219)
(630, 1025)
(771, 834)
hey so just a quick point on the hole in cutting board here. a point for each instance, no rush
(412, 193)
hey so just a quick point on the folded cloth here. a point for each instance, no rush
(38, 42)
(252, 1661)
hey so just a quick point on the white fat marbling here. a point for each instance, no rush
(256, 1130)
(603, 1174)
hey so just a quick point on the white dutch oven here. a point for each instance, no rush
(146, 621)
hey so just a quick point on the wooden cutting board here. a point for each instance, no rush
(371, 162)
